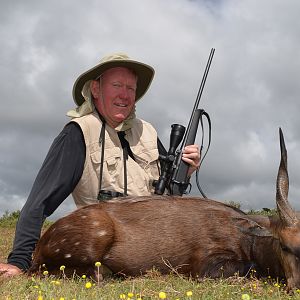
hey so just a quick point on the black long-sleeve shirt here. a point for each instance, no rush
(57, 178)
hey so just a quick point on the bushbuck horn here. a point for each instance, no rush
(286, 213)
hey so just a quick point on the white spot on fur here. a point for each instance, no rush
(83, 217)
(106, 256)
(57, 250)
(101, 233)
(77, 243)
(63, 240)
(84, 258)
(96, 223)
(90, 251)
(68, 255)
(52, 245)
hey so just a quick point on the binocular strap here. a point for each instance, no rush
(125, 157)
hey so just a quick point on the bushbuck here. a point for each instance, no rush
(189, 235)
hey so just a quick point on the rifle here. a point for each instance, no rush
(174, 171)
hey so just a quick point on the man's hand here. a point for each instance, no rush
(191, 155)
(8, 270)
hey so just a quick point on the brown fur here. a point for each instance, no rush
(193, 236)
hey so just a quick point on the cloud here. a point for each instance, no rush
(251, 90)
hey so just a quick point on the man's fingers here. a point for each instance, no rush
(192, 162)
(191, 155)
(191, 149)
(7, 270)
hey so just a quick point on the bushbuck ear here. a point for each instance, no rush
(250, 227)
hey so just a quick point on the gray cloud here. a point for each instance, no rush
(251, 90)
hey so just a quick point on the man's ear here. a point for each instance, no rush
(94, 86)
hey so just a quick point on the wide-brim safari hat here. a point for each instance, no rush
(144, 74)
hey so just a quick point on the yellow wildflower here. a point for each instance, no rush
(45, 273)
(189, 293)
(122, 296)
(97, 263)
(245, 297)
(62, 267)
(83, 276)
(40, 297)
(130, 295)
(162, 295)
(88, 285)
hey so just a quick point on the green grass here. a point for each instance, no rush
(144, 287)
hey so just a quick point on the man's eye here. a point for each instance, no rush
(118, 85)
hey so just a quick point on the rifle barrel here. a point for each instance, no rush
(212, 51)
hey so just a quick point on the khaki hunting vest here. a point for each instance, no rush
(141, 172)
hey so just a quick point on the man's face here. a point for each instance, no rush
(114, 94)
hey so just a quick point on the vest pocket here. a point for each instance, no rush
(147, 160)
(143, 171)
(110, 163)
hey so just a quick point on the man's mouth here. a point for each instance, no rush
(121, 105)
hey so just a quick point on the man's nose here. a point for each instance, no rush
(124, 92)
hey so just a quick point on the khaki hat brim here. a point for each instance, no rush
(145, 74)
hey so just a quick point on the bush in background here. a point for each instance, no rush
(9, 219)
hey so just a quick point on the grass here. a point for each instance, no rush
(150, 286)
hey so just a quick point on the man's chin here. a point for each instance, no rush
(120, 118)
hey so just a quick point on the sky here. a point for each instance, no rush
(252, 88)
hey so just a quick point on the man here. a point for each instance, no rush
(104, 152)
